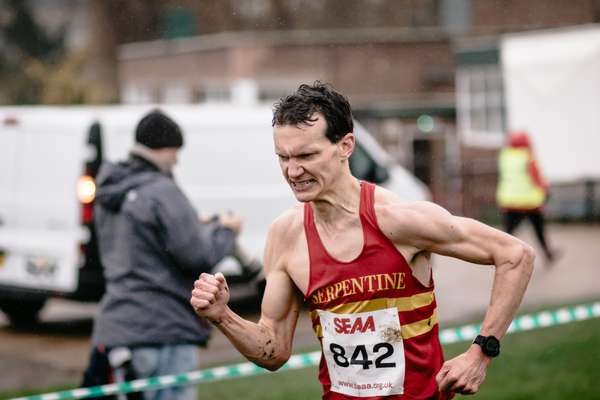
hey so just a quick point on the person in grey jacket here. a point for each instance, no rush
(152, 246)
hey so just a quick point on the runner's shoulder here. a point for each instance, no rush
(288, 225)
(391, 207)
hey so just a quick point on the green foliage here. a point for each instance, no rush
(25, 34)
(24, 41)
(34, 67)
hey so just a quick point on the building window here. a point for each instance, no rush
(216, 94)
(455, 15)
(480, 104)
(177, 93)
(271, 94)
(138, 94)
(253, 9)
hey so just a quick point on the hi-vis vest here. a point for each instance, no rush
(516, 189)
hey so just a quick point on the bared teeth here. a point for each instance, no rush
(303, 183)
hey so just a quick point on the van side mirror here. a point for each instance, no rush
(94, 142)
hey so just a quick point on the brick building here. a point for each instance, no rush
(422, 75)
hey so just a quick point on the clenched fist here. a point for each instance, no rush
(210, 296)
(464, 373)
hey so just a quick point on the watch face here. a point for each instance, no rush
(491, 346)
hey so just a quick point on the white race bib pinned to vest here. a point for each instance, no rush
(364, 352)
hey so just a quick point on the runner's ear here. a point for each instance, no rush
(346, 146)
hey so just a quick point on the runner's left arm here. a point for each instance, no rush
(430, 228)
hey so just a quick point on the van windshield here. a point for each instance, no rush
(365, 168)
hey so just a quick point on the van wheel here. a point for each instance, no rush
(22, 313)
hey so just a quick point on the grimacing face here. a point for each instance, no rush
(310, 163)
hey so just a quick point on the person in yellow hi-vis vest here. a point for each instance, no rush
(522, 190)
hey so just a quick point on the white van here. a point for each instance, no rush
(52, 154)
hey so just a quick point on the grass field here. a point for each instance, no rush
(561, 362)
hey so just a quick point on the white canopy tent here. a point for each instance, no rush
(552, 87)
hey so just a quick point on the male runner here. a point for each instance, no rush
(359, 257)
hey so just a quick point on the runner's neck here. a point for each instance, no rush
(341, 202)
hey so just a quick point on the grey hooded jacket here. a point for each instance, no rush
(152, 247)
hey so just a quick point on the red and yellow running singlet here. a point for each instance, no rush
(376, 322)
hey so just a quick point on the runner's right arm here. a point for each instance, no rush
(267, 343)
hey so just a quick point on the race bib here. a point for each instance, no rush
(364, 352)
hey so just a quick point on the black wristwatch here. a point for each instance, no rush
(490, 345)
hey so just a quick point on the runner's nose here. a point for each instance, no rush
(294, 170)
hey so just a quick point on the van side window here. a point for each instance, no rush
(365, 168)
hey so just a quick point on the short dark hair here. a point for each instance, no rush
(299, 108)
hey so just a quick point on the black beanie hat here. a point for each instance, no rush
(156, 131)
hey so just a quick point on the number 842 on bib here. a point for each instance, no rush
(358, 355)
